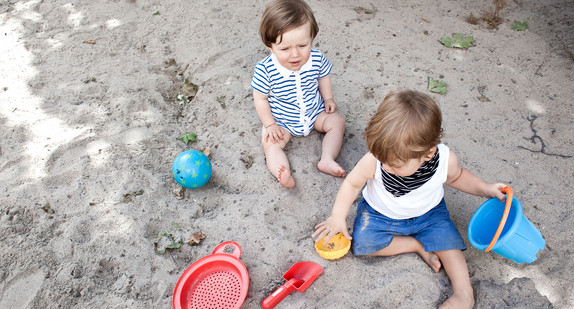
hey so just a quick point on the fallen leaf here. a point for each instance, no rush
(207, 152)
(179, 192)
(48, 209)
(457, 41)
(164, 241)
(483, 97)
(248, 161)
(189, 137)
(519, 26)
(437, 86)
(196, 238)
(171, 62)
(362, 10)
(128, 196)
(221, 101)
(187, 92)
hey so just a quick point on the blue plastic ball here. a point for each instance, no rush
(191, 169)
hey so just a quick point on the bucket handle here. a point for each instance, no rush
(508, 192)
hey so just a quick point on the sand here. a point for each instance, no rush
(90, 123)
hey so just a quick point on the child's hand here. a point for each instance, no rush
(329, 228)
(274, 133)
(330, 106)
(495, 190)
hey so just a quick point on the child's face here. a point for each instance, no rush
(295, 47)
(409, 167)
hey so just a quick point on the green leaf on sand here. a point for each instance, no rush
(189, 137)
(518, 26)
(166, 241)
(458, 41)
(437, 86)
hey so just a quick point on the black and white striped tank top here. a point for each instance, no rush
(399, 186)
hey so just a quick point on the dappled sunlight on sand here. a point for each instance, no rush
(535, 106)
(23, 109)
(544, 283)
(74, 17)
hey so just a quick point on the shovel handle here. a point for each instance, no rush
(272, 300)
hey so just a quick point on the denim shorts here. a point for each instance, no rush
(373, 231)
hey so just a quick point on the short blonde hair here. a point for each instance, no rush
(406, 126)
(281, 16)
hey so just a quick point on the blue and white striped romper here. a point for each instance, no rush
(294, 97)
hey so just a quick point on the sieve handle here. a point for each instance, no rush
(508, 192)
(223, 246)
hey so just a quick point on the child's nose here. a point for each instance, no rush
(294, 53)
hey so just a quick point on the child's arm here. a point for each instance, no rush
(351, 187)
(465, 181)
(326, 91)
(263, 109)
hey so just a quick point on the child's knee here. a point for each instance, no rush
(339, 121)
(337, 118)
(334, 121)
(269, 145)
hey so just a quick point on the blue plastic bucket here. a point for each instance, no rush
(519, 241)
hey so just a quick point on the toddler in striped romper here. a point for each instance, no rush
(292, 89)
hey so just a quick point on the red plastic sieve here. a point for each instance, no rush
(219, 280)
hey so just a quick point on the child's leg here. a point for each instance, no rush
(408, 244)
(455, 266)
(276, 159)
(333, 125)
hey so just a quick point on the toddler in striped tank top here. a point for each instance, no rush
(401, 179)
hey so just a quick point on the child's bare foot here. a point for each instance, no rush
(331, 167)
(432, 260)
(459, 300)
(284, 177)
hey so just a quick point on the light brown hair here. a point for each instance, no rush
(281, 16)
(406, 126)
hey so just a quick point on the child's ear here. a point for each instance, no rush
(431, 153)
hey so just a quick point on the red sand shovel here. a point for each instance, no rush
(298, 277)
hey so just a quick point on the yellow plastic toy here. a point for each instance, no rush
(335, 248)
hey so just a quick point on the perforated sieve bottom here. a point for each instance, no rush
(219, 289)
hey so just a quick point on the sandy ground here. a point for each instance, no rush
(89, 130)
